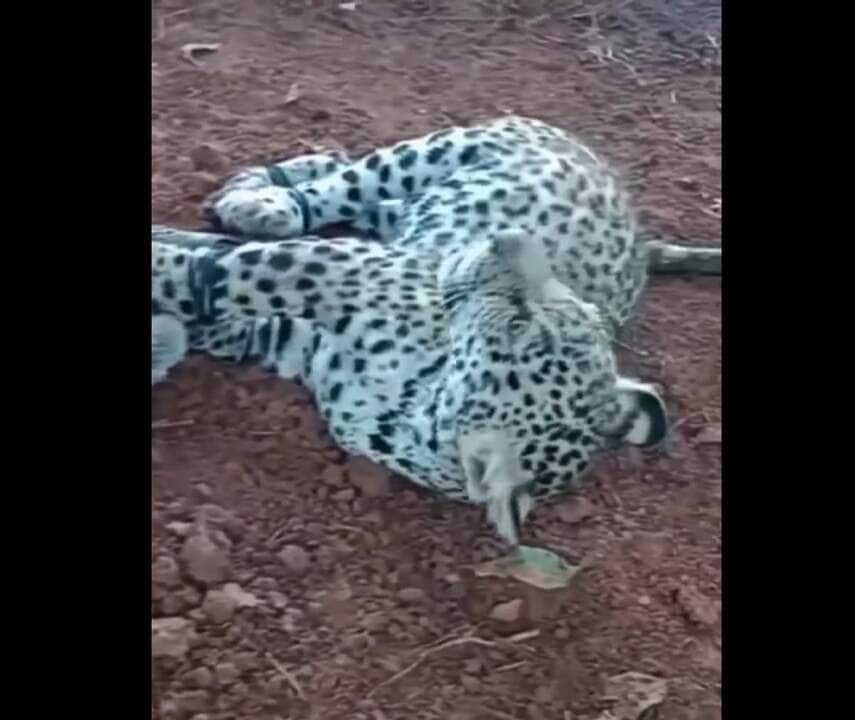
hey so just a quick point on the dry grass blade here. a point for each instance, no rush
(293, 94)
(466, 640)
(190, 50)
(166, 424)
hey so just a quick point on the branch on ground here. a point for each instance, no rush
(667, 259)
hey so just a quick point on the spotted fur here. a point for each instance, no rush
(468, 347)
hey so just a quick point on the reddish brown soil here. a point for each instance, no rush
(243, 460)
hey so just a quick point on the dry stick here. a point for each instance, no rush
(667, 259)
(289, 678)
(165, 424)
(425, 654)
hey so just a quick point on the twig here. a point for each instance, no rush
(633, 350)
(289, 678)
(510, 666)
(468, 639)
(166, 424)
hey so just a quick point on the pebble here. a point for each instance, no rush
(575, 510)
(295, 558)
(182, 529)
(411, 595)
(219, 607)
(345, 495)
(171, 637)
(200, 677)
(226, 673)
(204, 561)
(373, 480)
(507, 612)
(191, 701)
(333, 475)
(165, 571)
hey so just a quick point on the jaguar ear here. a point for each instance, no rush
(524, 256)
(643, 413)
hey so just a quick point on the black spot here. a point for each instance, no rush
(543, 218)
(408, 183)
(305, 283)
(386, 429)
(346, 211)
(391, 217)
(354, 195)
(335, 392)
(314, 298)
(528, 400)
(178, 260)
(385, 173)
(373, 162)
(358, 365)
(250, 257)
(513, 381)
(408, 159)
(469, 154)
(265, 285)
(246, 275)
(381, 346)
(309, 313)
(563, 229)
(321, 249)
(350, 176)
(277, 302)
(281, 261)
(481, 207)
(315, 268)
(435, 154)
(186, 307)
(383, 193)
(242, 299)
(378, 444)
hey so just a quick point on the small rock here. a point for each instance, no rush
(171, 637)
(507, 612)
(182, 529)
(333, 475)
(218, 606)
(165, 571)
(204, 561)
(208, 158)
(226, 673)
(277, 599)
(222, 519)
(373, 480)
(345, 495)
(575, 510)
(644, 600)
(562, 633)
(696, 607)
(295, 558)
(201, 677)
(411, 595)
(191, 701)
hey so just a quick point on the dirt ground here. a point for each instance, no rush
(290, 581)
